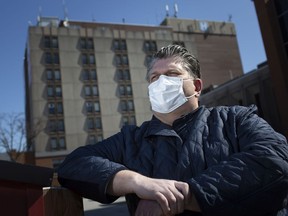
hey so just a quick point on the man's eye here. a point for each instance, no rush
(154, 78)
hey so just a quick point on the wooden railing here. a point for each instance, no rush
(26, 190)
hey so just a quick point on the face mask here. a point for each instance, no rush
(166, 94)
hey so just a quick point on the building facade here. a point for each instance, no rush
(253, 88)
(273, 21)
(85, 80)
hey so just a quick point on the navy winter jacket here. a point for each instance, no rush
(233, 161)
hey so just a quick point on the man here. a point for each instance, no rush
(186, 160)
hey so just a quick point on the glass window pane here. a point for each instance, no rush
(123, 106)
(54, 42)
(98, 123)
(60, 125)
(47, 42)
(90, 123)
(130, 105)
(91, 59)
(84, 59)
(125, 59)
(50, 91)
(85, 75)
(57, 75)
(97, 106)
(128, 90)
(62, 144)
(116, 45)
(118, 60)
(92, 139)
(58, 91)
(59, 108)
(90, 44)
(52, 126)
(132, 120)
(48, 58)
(49, 74)
(87, 90)
(99, 138)
(89, 107)
(123, 45)
(126, 74)
(95, 90)
(53, 143)
(121, 90)
(82, 43)
(56, 58)
(93, 75)
(51, 108)
(125, 120)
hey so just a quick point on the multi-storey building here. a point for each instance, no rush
(273, 21)
(85, 80)
(253, 88)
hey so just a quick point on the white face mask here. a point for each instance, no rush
(166, 94)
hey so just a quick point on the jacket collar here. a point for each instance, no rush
(156, 127)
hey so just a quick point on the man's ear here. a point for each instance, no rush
(198, 86)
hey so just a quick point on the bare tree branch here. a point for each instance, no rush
(15, 135)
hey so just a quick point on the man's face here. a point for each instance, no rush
(169, 67)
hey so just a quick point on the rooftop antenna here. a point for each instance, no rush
(230, 18)
(175, 10)
(40, 13)
(167, 10)
(65, 13)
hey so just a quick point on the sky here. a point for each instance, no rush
(17, 15)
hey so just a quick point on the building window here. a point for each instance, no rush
(98, 123)
(94, 90)
(56, 125)
(128, 120)
(125, 90)
(127, 105)
(123, 75)
(94, 138)
(88, 59)
(54, 91)
(148, 59)
(51, 58)
(50, 42)
(96, 106)
(86, 43)
(150, 46)
(57, 143)
(90, 123)
(119, 45)
(121, 60)
(89, 75)
(94, 123)
(91, 90)
(92, 106)
(89, 107)
(53, 75)
(55, 108)
(51, 108)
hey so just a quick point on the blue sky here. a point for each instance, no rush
(16, 15)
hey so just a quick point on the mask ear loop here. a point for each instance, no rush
(196, 93)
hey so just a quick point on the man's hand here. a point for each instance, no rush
(169, 194)
(148, 208)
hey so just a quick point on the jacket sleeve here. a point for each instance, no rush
(88, 169)
(253, 180)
